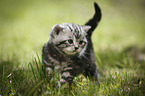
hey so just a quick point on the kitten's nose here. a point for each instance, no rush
(76, 48)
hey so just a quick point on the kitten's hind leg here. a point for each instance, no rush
(92, 73)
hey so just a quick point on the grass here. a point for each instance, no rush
(118, 44)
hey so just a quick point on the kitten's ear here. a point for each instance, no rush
(86, 28)
(56, 30)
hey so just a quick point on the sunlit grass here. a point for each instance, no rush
(24, 28)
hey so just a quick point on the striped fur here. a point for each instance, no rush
(70, 50)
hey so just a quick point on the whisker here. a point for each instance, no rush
(88, 53)
(82, 55)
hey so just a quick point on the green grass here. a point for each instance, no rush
(118, 44)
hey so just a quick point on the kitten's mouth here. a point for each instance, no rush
(72, 52)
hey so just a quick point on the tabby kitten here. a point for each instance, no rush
(70, 51)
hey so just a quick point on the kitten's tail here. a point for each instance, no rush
(95, 20)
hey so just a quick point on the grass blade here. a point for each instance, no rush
(33, 72)
(35, 87)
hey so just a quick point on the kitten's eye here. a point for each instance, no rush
(70, 41)
(81, 42)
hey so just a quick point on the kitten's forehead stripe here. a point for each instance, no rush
(70, 28)
(80, 29)
(75, 29)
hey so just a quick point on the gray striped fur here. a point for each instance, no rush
(70, 51)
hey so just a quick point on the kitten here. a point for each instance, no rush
(70, 50)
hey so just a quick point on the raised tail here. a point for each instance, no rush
(93, 22)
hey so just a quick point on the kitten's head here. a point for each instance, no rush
(69, 38)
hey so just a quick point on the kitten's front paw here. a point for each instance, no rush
(60, 83)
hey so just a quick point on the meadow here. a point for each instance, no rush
(119, 45)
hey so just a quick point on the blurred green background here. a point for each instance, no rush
(25, 24)
(119, 44)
